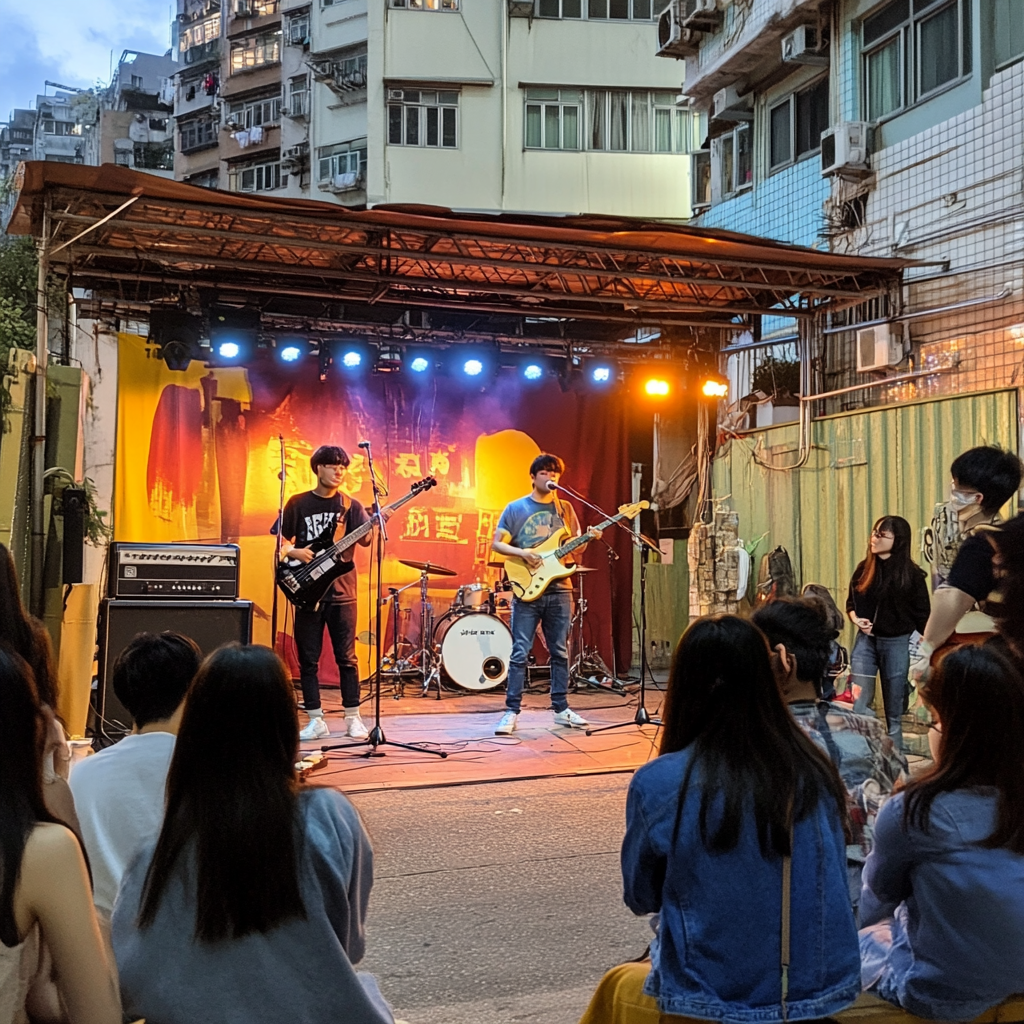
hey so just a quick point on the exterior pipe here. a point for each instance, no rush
(924, 313)
(39, 434)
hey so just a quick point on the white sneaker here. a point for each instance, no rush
(570, 718)
(316, 730)
(356, 729)
(507, 725)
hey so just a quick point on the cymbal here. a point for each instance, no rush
(428, 567)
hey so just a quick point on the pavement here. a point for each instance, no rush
(498, 902)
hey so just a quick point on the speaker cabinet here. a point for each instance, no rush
(209, 623)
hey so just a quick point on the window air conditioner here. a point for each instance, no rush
(673, 39)
(702, 15)
(520, 8)
(878, 348)
(728, 105)
(803, 46)
(846, 148)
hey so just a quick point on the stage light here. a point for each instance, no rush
(475, 364)
(325, 360)
(714, 387)
(352, 359)
(532, 371)
(229, 349)
(352, 356)
(657, 387)
(177, 334)
(233, 333)
(290, 353)
(532, 368)
(419, 364)
(600, 374)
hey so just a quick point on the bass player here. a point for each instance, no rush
(315, 515)
(523, 525)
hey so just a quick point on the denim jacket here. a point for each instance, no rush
(716, 955)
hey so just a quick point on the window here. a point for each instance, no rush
(796, 124)
(199, 34)
(122, 157)
(351, 71)
(298, 97)
(199, 134)
(255, 52)
(423, 117)
(911, 48)
(1009, 31)
(424, 5)
(256, 177)
(154, 156)
(136, 81)
(601, 10)
(736, 166)
(605, 119)
(297, 29)
(343, 165)
(251, 113)
(700, 178)
(51, 127)
(256, 8)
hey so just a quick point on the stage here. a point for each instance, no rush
(463, 726)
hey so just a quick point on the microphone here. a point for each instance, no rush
(364, 444)
(552, 486)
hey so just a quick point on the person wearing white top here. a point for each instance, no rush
(119, 792)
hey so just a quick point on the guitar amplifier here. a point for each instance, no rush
(183, 571)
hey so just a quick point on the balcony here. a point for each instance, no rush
(342, 77)
(202, 53)
(349, 181)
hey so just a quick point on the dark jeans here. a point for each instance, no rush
(889, 657)
(552, 611)
(340, 620)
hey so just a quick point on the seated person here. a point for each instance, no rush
(119, 792)
(800, 636)
(739, 802)
(45, 897)
(943, 899)
(250, 904)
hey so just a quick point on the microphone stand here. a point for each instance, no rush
(645, 547)
(377, 738)
(277, 546)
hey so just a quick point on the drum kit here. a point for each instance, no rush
(468, 646)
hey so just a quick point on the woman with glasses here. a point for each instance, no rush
(888, 601)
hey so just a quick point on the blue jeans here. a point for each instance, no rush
(888, 656)
(552, 611)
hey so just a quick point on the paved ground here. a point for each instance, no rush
(498, 903)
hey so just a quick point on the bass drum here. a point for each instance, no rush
(475, 650)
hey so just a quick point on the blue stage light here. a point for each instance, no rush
(533, 371)
(229, 349)
(419, 364)
(290, 353)
(352, 359)
(473, 367)
(601, 374)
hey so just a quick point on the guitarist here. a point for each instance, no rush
(524, 524)
(314, 516)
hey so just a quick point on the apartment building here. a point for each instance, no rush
(552, 106)
(886, 129)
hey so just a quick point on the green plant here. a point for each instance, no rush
(777, 378)
(97, 529)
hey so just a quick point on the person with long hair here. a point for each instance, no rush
(943, 897)
(888, 600)
(45, 893)
(1006, 603)
(251, 902)
(26, 636)
(734, 832)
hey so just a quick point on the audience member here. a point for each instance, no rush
(250, 904)
(887, 602)
(739, 802)
(943, 896)
(27, 636)
(45, 897)
(1006, 603)
(800, 636)
(984, 479)
(119, 792)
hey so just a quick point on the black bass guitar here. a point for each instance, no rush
(306, 583)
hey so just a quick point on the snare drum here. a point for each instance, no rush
(475, 649)
(474, 597)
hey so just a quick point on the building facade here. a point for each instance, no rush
(549, 106)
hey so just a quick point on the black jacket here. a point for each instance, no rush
(893, 612)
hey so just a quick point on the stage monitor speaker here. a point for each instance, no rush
(209, 623)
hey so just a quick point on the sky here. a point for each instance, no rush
(70, 41)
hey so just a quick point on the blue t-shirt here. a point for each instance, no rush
(529, 522)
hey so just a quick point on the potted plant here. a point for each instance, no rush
(779, 380)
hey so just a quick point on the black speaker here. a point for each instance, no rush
(209, 623)
(75, 504)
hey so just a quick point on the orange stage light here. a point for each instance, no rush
(714, 388)
(657, 387)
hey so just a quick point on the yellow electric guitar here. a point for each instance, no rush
(528, 584)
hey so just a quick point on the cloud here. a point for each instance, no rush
(71, 42)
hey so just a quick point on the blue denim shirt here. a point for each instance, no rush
(717, 952)
(957, 908)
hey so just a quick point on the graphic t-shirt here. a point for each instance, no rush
(529, 523)
(307, 517)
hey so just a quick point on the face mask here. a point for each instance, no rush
(961, 499)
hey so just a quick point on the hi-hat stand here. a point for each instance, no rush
(377, 738)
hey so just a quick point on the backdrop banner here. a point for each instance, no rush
(199, 455)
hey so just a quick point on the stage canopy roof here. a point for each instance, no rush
(136, 238)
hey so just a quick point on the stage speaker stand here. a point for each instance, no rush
(209, 623)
